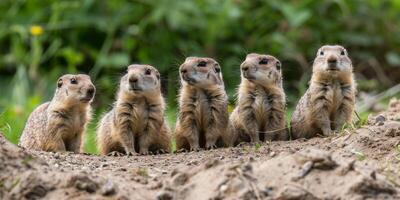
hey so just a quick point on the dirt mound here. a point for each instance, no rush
(359, 163)
(28, 176)
(308, 174)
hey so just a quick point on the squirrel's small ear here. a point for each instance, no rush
(278, 65)
(59, 83)
(217, 68)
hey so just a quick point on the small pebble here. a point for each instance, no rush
(108, 189)
(223, 188)
(164, 195)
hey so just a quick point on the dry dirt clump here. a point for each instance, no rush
(362, 163)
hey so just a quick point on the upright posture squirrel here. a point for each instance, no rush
(329, 101)
(203, 114)
(136, 122)
(260, 107)
(59, 125)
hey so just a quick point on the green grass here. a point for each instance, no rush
(360, 155)
(142, 172)
(397, 150)
(13, 118)
(257, 146)
(90, 143)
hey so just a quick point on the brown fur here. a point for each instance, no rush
(329, 101)
(59, 125)
(136, 123)
(203, 115)
(260, 107)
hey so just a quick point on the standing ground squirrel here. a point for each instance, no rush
(136, 123)
(260, 109)
(59, 125)
(329, 101)
(203, 114)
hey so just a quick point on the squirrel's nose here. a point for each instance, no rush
(90, 91)
(332, 60)
(245, 68)
(133, 79)
(202, 64)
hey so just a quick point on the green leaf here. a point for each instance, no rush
(393, 58)
(118, 60)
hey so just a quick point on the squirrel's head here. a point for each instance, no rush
(200, 72)
(75, 88)
(332, 59)
(261, 69)
(141, 79)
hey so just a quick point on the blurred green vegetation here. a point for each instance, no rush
(42, 39)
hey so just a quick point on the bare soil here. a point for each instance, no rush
(360, 163)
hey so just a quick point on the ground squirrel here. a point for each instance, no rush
(203, 114)
(59, 125)
(261, 101)
(329, 101)
(136, 122)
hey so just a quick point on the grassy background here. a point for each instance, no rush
(42, 39)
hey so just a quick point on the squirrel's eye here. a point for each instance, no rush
(148, 71)
(342, 53)
(74, 81)
(264, 61)
(321, 53)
